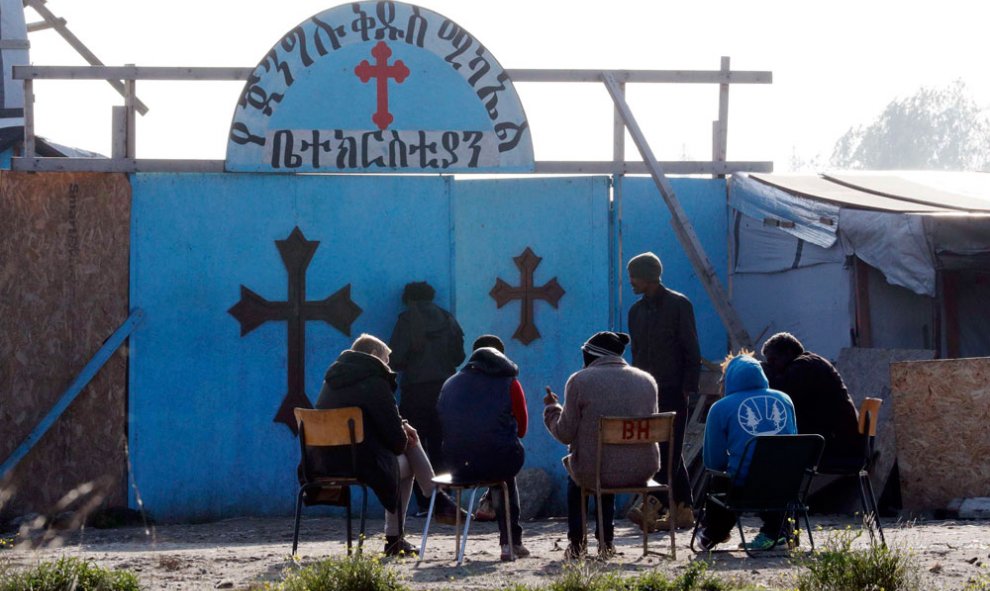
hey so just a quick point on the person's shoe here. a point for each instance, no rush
(763, 542)
(445, 511)
(396, 546)
(606, 550)
(646, 512)
(683, 518)
(421, 513)
(520, 551)
(573, 552)
(507, 555)
(708, 544)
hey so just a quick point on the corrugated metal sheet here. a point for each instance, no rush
(914, 189)
(822, 188)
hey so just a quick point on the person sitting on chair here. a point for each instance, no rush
(360, 377)
(749, 409)
(483, 417)
(607, 386)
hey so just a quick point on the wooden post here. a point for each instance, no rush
(618, 157)
(130, 103)
(682, 225)
(29, 150)
(722, 129)
(118, 146)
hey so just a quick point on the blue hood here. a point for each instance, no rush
(744, 373)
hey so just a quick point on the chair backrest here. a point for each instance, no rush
(330, 427)
(869, 410)
(649, 429)
(780, 471)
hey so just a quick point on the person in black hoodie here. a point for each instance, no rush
(390, 456)
(482, 409)
(427, 346)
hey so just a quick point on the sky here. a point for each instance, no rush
(835, 65)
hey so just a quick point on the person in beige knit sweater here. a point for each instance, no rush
(607, 386)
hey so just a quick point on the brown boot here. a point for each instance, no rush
(646, 511)
(683, 518)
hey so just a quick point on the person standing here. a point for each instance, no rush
(427, 346)
(607, 386)
(483, 413)
(665, 345)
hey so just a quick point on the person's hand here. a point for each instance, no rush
(411, 434)
(550, 398)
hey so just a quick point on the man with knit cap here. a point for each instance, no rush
(665, 345)
(607, 386)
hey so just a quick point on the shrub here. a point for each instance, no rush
(67, 574)
(837, 566)
(354, 573)
(584, 577)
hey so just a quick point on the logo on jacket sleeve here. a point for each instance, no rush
(762, 415)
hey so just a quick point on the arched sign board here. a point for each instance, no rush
(379, 87)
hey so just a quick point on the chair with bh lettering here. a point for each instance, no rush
(861, 467)
(448, 482)
(619, 431)
(329, 428)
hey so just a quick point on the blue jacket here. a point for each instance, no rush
(480, 434)
(750, 408)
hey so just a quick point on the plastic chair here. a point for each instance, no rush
(330, 428)
(447, 482)
(653, 429)
(869, 410)
(781, 468)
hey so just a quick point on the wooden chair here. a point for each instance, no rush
(447, 482)
(653, 429)
(869, 411)
(330, 428)
(781, 468)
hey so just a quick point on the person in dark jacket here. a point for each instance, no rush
(823, 406)
(482, 410)
(427, 347)
(665, 345)
(390, 456)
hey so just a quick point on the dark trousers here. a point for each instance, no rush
(575, 533)
(499, 505)
(675, 401)
(418, 405)
(716, 522)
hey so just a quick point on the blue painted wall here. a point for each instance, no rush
(646, 226)
(202, 398)
(565, 221)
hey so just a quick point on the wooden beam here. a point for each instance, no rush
(722, 148)
(683, 228)
(129, 73)
(114, 165)
(864, 322)
(642, 76)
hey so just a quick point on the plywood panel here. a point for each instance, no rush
(63, 290)
(941, 411)
(866, 373)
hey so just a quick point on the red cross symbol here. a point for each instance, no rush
(382, 72)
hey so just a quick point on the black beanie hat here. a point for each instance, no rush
(418, 291)
(606, 343)
(488, 340)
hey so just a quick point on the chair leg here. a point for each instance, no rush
(742, 536)
(426, 526)
(350, 532)
(364, 515)
(467, 526)
(807, 525)
(866, 493)
(670, 521)
(508, 519)
(697, 526)
(601, 521)
(295, 532)
(457, 523)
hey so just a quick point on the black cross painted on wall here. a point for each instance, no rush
(551, 292)
(338, 310)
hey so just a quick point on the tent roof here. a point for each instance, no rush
(904, 192)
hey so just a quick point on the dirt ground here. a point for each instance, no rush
(243, 552)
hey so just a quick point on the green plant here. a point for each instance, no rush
(68, 573)
(837, 566)
(588, 577)
(980, 582)
(359, 572)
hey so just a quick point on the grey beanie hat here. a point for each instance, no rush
(645, 266)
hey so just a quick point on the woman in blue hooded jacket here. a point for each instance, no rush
(749, 409)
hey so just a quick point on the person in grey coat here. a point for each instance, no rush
(607, 386)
